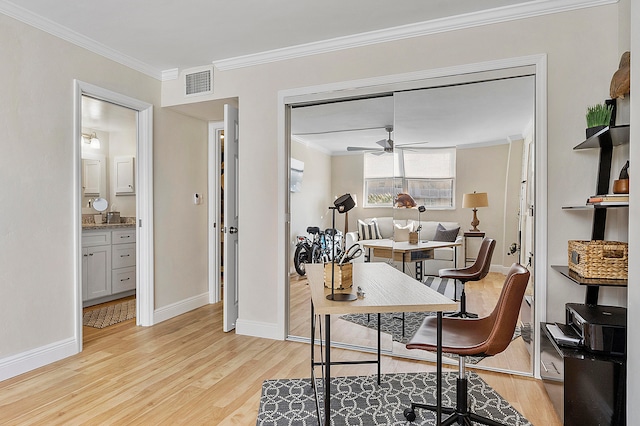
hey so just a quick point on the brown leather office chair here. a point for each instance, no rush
(473, 336)
(475, 272)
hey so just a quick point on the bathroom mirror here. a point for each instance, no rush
(100, 204)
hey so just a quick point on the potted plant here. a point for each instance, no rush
(598, 117)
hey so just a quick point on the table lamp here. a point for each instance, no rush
(473, 201)
(342, 204)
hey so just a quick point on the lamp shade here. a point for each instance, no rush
(474, 200)
(344, 203)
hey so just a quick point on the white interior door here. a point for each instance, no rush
(230, 262)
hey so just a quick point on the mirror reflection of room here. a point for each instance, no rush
(108, 204)
(443, 167)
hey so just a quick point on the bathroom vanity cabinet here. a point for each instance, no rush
(108, 264)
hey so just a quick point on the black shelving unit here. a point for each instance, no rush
(587, 388)
(605, 140)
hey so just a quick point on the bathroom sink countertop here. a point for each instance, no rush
(89, 226)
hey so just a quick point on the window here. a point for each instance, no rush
(428, 175)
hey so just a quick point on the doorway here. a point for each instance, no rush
(88, 96)
(363, 89)
(108, 197)
(223, 214)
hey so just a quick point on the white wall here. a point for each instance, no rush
(575, 80)
(180, 227)
(37, 302)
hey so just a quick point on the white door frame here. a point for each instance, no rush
(144, 201)
(214, 194)
(343, 89)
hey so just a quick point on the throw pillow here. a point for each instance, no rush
(401, 233)
(368, 231)
(447, 235)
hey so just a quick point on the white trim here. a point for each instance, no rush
(541, 211)
(213, 214)
(171, 74)
(145, 260)
(35, 358)
(181, 307)
(144, 202)
(452, 23)
(67, 34)
(374, 85)
(258, 329)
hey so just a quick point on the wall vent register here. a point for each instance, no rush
(199, 82)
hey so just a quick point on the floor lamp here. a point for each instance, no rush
(342, 204)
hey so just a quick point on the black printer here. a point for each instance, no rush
(602, 329)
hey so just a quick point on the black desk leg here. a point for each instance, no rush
(327, 376)
(439, 370)
(379, 321)
(313, 339)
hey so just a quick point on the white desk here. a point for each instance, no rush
(387, 290)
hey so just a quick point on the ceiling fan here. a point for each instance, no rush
(386, 144)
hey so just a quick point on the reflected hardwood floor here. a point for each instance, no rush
(187, 371)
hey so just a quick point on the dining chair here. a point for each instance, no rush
(485, 336)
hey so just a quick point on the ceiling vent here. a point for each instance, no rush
(198, 82)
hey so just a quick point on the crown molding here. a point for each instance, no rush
(503, 14)
(170, 74)
(508, 13)
(48, 26)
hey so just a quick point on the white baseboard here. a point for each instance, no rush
(26, 361)
(259, 329)
(179, 308)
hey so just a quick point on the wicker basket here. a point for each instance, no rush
(342, 278)
(599, 259)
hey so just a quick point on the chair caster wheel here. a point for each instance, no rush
(409, 414)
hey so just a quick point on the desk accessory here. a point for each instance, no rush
(415, 235)
(343, 204)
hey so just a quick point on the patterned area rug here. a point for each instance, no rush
(359, 400)
(110, 315)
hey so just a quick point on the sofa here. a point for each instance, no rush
(391, 229)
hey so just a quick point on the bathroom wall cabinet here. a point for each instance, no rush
(108, 265)
(91, 174)
(123, 175)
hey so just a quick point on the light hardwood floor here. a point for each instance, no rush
(187, 371)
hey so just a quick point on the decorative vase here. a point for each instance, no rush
(621, 186)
